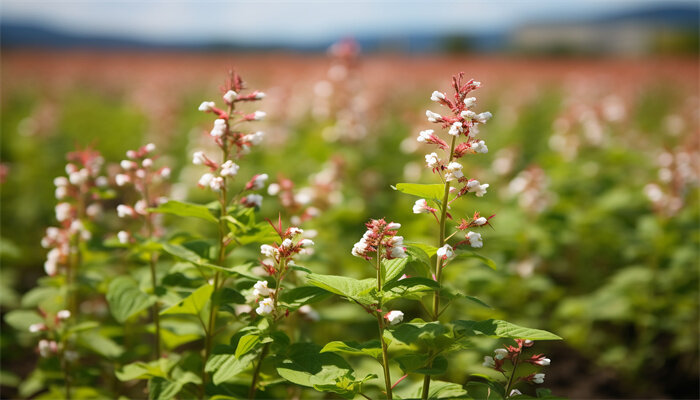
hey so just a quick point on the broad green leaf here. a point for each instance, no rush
(227, 366)
(126, 299)
(39, 295)
(185, 210)
(410, 288)
(299, 296)
(426, 248)
(420, 364)
(100, 344)
(485, 390)
(306, 366)
(358, 290)
(470, 254)
(22, 319)
(391, 269)
(163, 389)
(192, 304)
(142, 370)
(421, 335)
(176, 331)
(418, 253)
(186, 254)
(451, 294)
(246, 344)
(434, 191)
(502, 329)
(371, 348)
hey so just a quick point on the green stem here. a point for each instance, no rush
(152, 264)
(438, 262)
(380, 324)
(512, 374)
(256, 372)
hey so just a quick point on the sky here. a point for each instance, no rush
(297, 22)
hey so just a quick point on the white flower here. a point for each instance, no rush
(260, 289)
(33, 328)
(468, 115)
(205, 179)
(394, 317)
(359, 249)
(544, 361)
(219, 129)
(123, 237)
(480, 147)
(437, 96)
(432, 160)
(253, 200)
(258, 115)
(476, 187)
(474, 239)
(515, 392)
(287, 243)
(258, 181)
(469, 102)
(165, 172)
(61, 192)
(198, 158)
(63, 314)
(60, 181)
(500, 353)
(433, 117)
(207, 106)
(150, 147)
(124, 211)
(454, 171)
(45, 348)
(480, 221)
(455, 129)
(294, 231)
(78, 177)
(269, 251)
(63, 211)
(127, 165)
(483, 117)
(421, 206)
(538, 378)
(398, 252)
(141, 173)
(306, 243)
(273, 189)
(229, 168)
(230, 96)
(130, 154)
(122, 179)
(147, 163)
(265, 307)
(489, 362)
(393, 226)
(260, 95)
(254, 138)
(101, 181)
(446, 252)
(216, 184)
(424, 136)
(141, 207)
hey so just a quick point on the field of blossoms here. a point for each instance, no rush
(193, 225)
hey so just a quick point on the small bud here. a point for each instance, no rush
(122, 179)
(259, 115)
(230, 96)
(150, 147)
(265, 307)
(538, 378)
(207, 106)
(394, 317)
(198, 158)
(260, 289)
(446, 252)
(469, 102)
(437, 96)
(147, 163)
(433, 117)
(474, 239)
(123, 237)
(63, 314)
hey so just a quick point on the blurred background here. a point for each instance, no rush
(593, 164)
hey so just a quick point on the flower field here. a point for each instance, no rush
(276, 225)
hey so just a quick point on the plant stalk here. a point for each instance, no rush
(380, 324)
(256, 372)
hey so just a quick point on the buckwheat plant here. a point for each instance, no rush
(139, 170)
(513, 357)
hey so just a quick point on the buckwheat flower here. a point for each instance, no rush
(393, 226)
(219, 129)
(258, 182)
(60, 181)
(454, 171)
(359, 249)
(269, 251)
(397, 252)
(150, 147)
(483, 117)
(123, 237)
(287, 243)
(468, 115)
(480, 147)
(538, 378)
(480, 221)
(127, 165)
(207, 106)
(470, 102)
(122, 179)
(252, 200)
(515, 392)
(165, 172)
(230, 96)
(63, 314)
(394, 317)
(474, 239)
(147, 163)
(44, 348)
(500, 354)
(437, 96)
(432, 160)
(63, 211)
(61, 192)
(259, 115)
(34, 328)
(229, 168)
(294, 231)
(131, 154)
(141, 207)
(421, 207)
(205, 180)
(528, 343)
(265, 307)
(124, 211)
(260, 289)
(489, 362)
(254, 138)
(433, 117)
(446, 252)
(216, 184)
(425, 136)
(476, 187)
(140, 173)
(198, 158)
(543, 361)
(455, 129)
(306, 243)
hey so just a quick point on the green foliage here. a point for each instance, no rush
(126, 299)
(353, 289)
(502, 329)
(186, 210)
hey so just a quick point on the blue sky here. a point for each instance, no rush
(296, 22)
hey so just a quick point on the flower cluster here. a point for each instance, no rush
(679, 171)
(462, 127)
(232, 141)
(380, 239)
(514, 354)
(49, 347)
(277, 260)
(79, 203)
(139, 170)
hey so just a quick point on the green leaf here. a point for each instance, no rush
(470, 254)
(299, 296)
(421, 335)
(445, 390)
(185, 210)
(358, 290)
(417, 252)
(392, 269)
(485, 390)
(126, 299)
(434, 191)
(306, 366)
(227, 366)
(426, 248)
(163, 389)
(246, 344)
(410, 288)
(192, 304)
(22, 319)
(39, 295)
(451, 294)
(186, 254)
(100, 344)
(371, 348)
(420, 364)
(502, 329)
